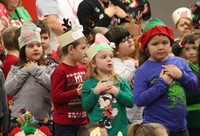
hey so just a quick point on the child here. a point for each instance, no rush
(160, 81)
(10, 41)
(92, 129)
(45, 39)
(67, 82)
(182, 19)
(124, 65)
(105, 95)
(29, 80)
(151, 129)
(190, 44)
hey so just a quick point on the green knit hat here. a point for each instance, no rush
(152, 23)
(155, 27)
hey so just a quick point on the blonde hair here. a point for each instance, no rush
(151, 129)
(93, 73)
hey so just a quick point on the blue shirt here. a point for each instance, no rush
(164, 103)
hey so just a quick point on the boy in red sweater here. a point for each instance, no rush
(66, 84)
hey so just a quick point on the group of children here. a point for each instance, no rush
(101, 99)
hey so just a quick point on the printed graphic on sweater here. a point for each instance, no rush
(75, 105)
(109, 112)
(175, 93)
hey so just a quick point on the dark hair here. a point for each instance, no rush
(116, 35)
(23, 60)
(43, 26)
(177, 49)
(191, 37)
(10, 38)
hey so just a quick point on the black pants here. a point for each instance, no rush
(180, 133)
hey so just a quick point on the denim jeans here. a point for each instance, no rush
(66, 130)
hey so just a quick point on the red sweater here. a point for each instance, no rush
(8, 62)
(67, 104)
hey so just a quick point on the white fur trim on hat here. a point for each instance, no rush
(182, 12)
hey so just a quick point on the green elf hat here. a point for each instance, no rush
(29, 33)
(100, 43)
(155, 27)
(72, 35)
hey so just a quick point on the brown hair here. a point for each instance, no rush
(23, 60)
(85, 130)
(10, 38)
(74, 44)
(151, 129)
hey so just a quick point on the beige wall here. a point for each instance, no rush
(164, 8)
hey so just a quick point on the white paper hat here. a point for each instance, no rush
(74, 34)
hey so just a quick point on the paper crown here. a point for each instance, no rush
(155, 27)
(72, 35)
(182, 12)
(29, 33)
(100, 43)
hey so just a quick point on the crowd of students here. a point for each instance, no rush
(108, 69)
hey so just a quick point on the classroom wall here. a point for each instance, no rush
(164, 9)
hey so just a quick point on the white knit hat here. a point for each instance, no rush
(182, 12)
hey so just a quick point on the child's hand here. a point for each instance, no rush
(110, 10)
(30, 64)
(172, 71)
(120, 12)
(114, 90)
(79, 89)
(103, 86)
(166, 77)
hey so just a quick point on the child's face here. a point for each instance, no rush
(183, 26)
(191, 52)
(79, 53)
(104, 61)
(127, 46)
(45, 41)
(33, 51)
(159, 47)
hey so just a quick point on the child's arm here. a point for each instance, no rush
(42, 74)
(58, 84)
(145, 95)
(185, 76)
(123, 95)
(91, 91)
(15, 79)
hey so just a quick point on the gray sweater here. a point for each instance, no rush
(30, 89)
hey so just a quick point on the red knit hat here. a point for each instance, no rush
(152, 28)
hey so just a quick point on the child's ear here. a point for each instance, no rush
(70, 49)
(93, 63)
